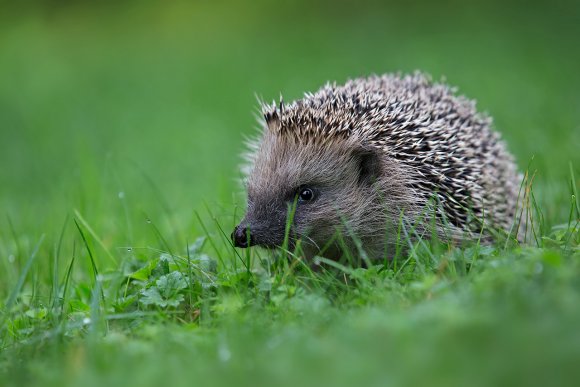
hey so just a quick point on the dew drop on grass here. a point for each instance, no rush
(129, 249)
(86, 321)
(148, 220)
(121, 195)
(11, 258)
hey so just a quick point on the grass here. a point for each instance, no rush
(121, 127)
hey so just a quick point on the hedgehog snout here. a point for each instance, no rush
(260, 228)
(241, 236)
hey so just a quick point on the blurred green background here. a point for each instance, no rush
(129, 110)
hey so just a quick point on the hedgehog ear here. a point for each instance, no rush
(369, 166)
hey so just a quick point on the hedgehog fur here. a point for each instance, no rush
(378, 154)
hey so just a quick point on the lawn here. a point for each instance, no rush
(121, 128)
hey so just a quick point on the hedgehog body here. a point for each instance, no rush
(374, 159)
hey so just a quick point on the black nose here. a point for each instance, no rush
(240, 236)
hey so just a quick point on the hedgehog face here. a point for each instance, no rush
(322, 185)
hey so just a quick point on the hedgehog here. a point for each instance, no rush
(374, 164)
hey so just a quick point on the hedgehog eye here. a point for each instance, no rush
(305, 194)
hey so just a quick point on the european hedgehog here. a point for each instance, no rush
(365, 165)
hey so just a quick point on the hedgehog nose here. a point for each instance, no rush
(240, 236)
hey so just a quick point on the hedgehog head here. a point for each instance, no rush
(302, 177)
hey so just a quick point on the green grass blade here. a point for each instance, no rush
(18, 287)
(95, 236)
